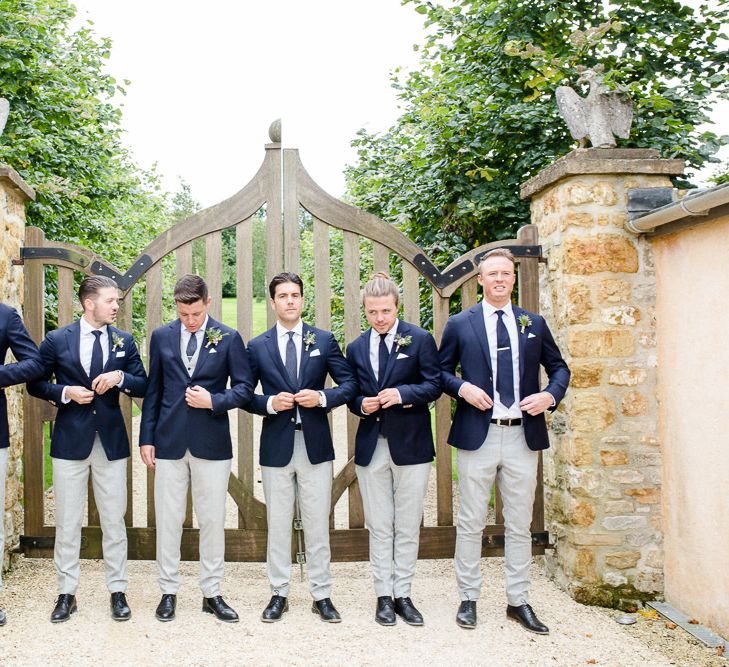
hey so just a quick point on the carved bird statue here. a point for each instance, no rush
(600, 116)
(4, 111)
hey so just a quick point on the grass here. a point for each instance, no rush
(260, 308)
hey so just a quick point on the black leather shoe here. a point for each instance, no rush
(466, 615)
(525, 615)
(221, 610)
(166, 608)
(405, 608)
(65, 606)
(119, 608)
(385, 612)
(326, 610)
(275, 610)
(3, 619)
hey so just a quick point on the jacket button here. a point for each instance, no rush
(293, 419)
(94, 411)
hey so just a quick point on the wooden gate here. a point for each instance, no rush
(285, 191)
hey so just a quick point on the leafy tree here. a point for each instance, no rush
(479, 117)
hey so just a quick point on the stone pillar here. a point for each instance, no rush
(602, 476)
(14, 192)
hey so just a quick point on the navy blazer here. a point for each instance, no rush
(415, 372)
(76, 425)
(14, 337)
(465, 342)
(322, 357)
(168, 422)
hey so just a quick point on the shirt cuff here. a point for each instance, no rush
(269, 406)
(322, 399)
(64, 400)
(121, 378)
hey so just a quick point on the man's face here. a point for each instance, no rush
(102, 308)
(193, 315)
(497, 279)
(381, 312)
(288, 303)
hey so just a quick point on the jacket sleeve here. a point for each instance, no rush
(43, 387)
(153, 396)
(429, 387)
(241, 381)
(257, 402)
(28, 365)
(135, 377)
(341, 372)
(450, 354)
(354, 404)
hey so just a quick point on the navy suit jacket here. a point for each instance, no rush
(168, 422)
(415, 372)
(76, 425)
(465, 342)
(14, 337)
(277, 433)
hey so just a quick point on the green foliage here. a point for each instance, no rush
(479, 116)
(721, 176)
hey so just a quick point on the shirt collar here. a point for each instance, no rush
(489, 310)
(203, 328)
(391, 332)
(86, 328)
(281, 330)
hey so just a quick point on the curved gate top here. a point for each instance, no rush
(334, 246)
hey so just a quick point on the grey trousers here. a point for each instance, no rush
(313, 483)
(70, 485)
(4, 453)
(393, 498)
(504, 456)
(209, 480)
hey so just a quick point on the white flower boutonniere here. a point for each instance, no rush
(525, 321)
(214, 336)
(309, 340)
(117, 342)
(402, 341)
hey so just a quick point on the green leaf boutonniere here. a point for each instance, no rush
(402, 341)
(309, 340)
(117, 342)
(214, 336)
(525, 321)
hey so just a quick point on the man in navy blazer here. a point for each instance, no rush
(13, 337)
(185, 437)
(93, 362)
(397, 368)
(291, 361)
(499, 428)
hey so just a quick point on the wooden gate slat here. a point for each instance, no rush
(411, 293)
(292, 240)
(153, 308)
(214, 272)
(444, 466)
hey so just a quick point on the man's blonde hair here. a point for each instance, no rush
(380, 285)
(497, 252)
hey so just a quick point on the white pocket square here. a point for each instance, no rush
(401, 356)
(315, 353)
(121, 354)
(531, 335)
(213, 351)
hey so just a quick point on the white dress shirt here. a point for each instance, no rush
(185, 337)
(375, 346)
(490, 320)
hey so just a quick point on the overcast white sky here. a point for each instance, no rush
(207, 79)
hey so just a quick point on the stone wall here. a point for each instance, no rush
(603, 472)
(14, 192)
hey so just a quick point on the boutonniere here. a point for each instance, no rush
(309, 340)
(402, 341)
(214, 336)
(525, 321)
(116, 341)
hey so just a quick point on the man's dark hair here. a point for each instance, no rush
(92, 285)
(190, 289)
(285, 277)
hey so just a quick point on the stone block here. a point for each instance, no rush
(591, 413)
(578, 193)
(612, 507)
(583, 514)
(579, 304)
(622, 560)
(578, 451)
(574, 219)
(633, 404)
(627, 377)
(586, 375)
(654, 558)
(585, 483)
(601, 343)
(614, 291)
(649, 582)
(594, 539)
(614, 579)
(645, 496)
(613, 457)
(626, 476)
(621, 315)
(624, 522)
(584, 565)
(600, 253)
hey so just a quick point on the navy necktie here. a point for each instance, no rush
(384, 355)
(191, 347)
(504, 363)
(97, 356)
(290, 362)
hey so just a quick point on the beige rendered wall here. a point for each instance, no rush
(692, 311)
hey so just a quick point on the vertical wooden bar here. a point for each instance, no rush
(214, 272)
(469, 293)
(154, 319)
(322, 276)
(274, 256)
(411, 293)
(33, 315)
(124, 322)
(183, 260)
(244, 314)
(380, 257)
(444, 466)
(65, 296)
(351, 331)
(292, 253)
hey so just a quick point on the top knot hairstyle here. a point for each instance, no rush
(381, 285)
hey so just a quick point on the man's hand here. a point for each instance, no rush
(79, 395)
(147, 454)
(389, 397)
(537, 403)
(370, 404)
(283, 401)
(102, 383)
(198, 397)
(476, 396)
(307, 398)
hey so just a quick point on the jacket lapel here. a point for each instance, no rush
(522, 340)
(73, 340)
(402, 328)
(109, 342)
(364, 350)
(272, 347)
(305, 354)
(475, 317)
(205, 347)
(173, 341)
